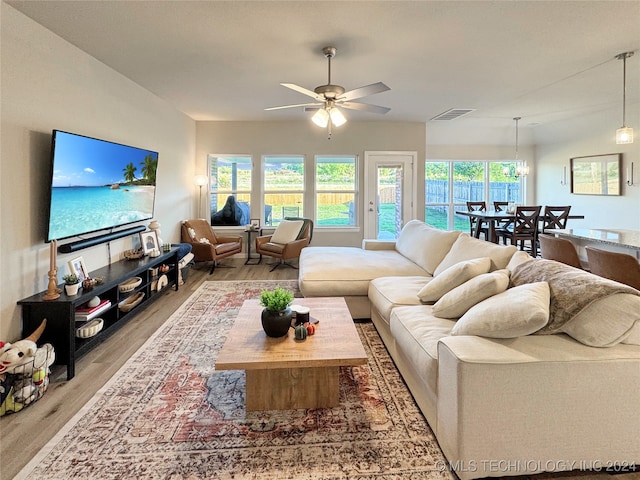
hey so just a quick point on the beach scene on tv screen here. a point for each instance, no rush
(97, 185)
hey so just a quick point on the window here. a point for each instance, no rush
(335, 191)
(283, 187)
(450, 184)
(230, 176)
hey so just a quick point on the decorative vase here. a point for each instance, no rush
(276, 324)
(72, 289)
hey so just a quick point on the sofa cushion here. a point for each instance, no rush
(424, 245)
(634, 335)
(455, 303)
(347, 271)
(386, 293)
(607, 321)
(466, 248)
(452, 277)
(287, 231)
(513, 313)
(416, 333)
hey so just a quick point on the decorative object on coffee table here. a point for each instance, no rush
(276, 315)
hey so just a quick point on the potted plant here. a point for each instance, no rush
(71, 284)
(276, 315)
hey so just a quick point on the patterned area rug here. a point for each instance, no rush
(168, 414)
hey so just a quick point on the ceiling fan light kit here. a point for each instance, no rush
(328, 97)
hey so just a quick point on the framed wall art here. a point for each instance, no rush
(596, 174)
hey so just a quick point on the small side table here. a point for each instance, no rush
(248, 234)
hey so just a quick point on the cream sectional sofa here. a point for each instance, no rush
(500, 400)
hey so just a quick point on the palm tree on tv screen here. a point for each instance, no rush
(130, 172)
(149, 169)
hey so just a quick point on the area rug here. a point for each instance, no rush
(168, 414)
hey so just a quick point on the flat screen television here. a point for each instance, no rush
(98, 185)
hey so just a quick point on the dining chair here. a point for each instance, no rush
(524, 228)
(473, 222)
(499, 206)
(621, 267)
(555, 217)
(559, 249)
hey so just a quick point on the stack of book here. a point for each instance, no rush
(85, 313)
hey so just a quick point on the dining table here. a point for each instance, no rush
(493, 217)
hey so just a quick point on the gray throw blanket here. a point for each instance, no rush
(571, 289)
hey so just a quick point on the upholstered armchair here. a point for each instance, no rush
(288, 240)
(206, 246)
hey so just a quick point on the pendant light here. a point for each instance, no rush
(521, 170)
(624, 134)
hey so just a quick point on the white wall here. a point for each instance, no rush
(304, 138)
(49, 84)
(584, 136)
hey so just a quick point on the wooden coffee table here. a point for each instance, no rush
(283, 373)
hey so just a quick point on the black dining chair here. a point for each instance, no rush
(555, 217)
(524, 228)
(500, 206)
(474, 222)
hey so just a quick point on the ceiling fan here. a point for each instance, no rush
(328, 97)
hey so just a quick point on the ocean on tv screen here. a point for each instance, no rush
(77, 210)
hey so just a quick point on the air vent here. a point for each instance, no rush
(453, 113)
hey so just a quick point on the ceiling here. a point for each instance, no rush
(224, 60)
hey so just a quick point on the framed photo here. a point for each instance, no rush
(149, 242)
(255, 223)
(596, 175)
(78, 267)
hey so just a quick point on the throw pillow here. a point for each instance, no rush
(513, 313)
(518, 258)
(467, 247)
(192, 233)
(287, 231)
(607, 321)
(424, 245)
(452, 277)
(456, 303)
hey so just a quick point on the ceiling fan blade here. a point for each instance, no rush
(293, 106)
(364, 107)
(364, 91)
(300, 89)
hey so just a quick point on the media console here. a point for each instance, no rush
(61, 313)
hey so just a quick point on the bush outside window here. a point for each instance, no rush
(283, 187)
(336, 192)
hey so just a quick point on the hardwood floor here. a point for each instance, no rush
(23, 434)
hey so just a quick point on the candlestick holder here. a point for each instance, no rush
(53, 291)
